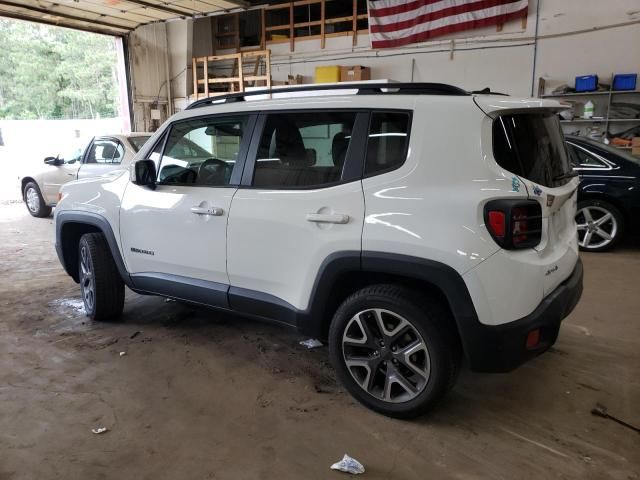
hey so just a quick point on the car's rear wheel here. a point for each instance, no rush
(600, 225)
(394, 350)
(101, 286)
(34, 201)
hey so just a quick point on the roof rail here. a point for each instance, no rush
(362, 88)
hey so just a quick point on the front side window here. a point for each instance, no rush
(105, 151)
(303, 149)
(388, 142)
(202, 151)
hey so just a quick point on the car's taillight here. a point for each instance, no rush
(514, 223)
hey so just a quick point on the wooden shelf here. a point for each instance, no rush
(601, 120)
(588, 94)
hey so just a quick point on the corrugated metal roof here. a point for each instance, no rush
(113, 17)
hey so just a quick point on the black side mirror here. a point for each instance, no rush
(56, 161)
(145, 171)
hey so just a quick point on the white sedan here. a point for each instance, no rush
(102, 155)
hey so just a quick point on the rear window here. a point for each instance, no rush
(531, 145)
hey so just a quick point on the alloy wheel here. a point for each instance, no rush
(33, 200)
(386, 355)
(597, 227)
(87, 280)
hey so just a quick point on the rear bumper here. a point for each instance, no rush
(502, 348)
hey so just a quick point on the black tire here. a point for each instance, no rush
(599, 244)
(38, 207)
(430, 319)
(105, 300)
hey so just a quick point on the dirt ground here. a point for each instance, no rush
(204, 395)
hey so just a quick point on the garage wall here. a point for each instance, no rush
(503, 61)
(574, 37)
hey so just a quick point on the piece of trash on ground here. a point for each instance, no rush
(348, 465)
(122, 354)
(311, 343)
(99, 430)
(169, 300)
(134, 335)
(601, 411)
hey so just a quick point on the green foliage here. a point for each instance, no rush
(51, 72)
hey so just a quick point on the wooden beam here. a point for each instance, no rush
(267, 70)
(160, 8)
(322, 37)
(205, 64)
(46, 11)
(29, 18)
(263, 33)
(354, 23)
(240, 73)
(291, 31)
(194, 72)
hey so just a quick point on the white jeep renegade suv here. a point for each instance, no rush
(407, 226)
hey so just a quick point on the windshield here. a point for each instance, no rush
(72, 154)
(531, 145)
(138, 142)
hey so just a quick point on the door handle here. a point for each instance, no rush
(328, 218)
(213, 211)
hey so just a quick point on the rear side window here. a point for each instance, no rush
(388, 142)
(138, 142)
(531, 145)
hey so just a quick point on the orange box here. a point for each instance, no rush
(355, 73)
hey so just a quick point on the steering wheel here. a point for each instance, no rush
(213, 168)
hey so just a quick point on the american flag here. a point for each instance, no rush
(393, 23)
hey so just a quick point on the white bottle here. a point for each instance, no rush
(588, 109)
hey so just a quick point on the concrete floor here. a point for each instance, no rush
(202, 395)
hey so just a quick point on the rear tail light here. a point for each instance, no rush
(514, 224)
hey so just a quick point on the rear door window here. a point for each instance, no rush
(303, 149)
(531, 145)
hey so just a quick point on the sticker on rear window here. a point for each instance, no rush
(515, 184)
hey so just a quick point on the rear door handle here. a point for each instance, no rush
(327, 218)
(213, 211)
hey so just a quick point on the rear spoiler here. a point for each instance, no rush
(495, 106)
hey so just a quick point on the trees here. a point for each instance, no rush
(53, 72)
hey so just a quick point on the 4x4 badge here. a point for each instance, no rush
(537, 191)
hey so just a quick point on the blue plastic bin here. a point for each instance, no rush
(586, 83)
(625, 81)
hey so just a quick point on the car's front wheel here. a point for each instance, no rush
(600, 225)
(101, 286)
(34, 201)
(394, 350)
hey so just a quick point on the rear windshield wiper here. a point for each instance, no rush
(565, 175)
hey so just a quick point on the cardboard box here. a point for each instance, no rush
(328, 74)
(635, 146)
(355, 73)
(297, 80)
